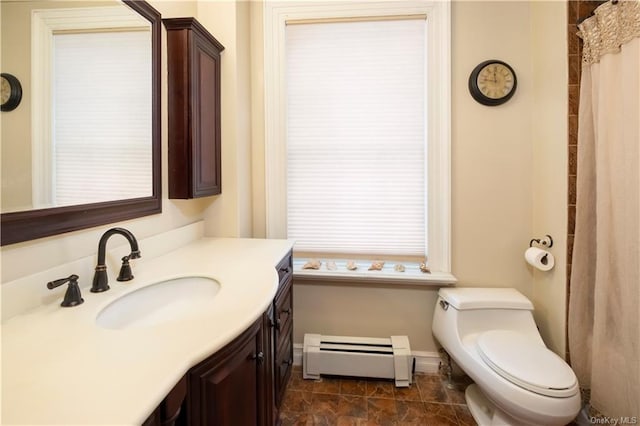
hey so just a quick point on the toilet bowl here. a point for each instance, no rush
(490, 333)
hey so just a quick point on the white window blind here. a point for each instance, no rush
(356, 144)
(102, 116)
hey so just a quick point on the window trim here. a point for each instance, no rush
(438, 107)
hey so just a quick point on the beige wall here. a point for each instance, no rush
(16, 129)
(231, 215)
(15, 57)
(550, 81)
(492, 184)
(23, 259)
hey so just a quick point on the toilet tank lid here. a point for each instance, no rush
(485, 298)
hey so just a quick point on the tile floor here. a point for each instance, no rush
(353, 401)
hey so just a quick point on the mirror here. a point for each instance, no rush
(83, 147)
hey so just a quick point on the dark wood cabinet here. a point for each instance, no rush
(169, 411)
(244, 382)
(278, 321)
(228, 387)
(270, 410)
(283, 329)
(193, 65)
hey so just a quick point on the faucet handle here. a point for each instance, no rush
(125, 270)
(72, 296)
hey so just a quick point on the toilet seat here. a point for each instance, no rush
(527, 363)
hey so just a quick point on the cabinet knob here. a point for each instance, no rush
(278, 320)
(259, 357)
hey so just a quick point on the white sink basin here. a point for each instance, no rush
(159, 303)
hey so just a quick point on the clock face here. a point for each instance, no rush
(492, 83)
(495, 81)
(5, 90)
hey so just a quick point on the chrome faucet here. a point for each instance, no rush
(100, 279)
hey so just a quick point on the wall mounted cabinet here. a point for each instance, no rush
(193, 58)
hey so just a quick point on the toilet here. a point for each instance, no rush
(490, 333)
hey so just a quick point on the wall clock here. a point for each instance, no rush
(492, 82)
(10, 92)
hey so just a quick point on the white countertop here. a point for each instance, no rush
(59, 367)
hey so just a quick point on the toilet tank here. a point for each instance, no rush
(485, 298)
(464, 311)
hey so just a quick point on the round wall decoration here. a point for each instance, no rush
(492, 82)
(10, 92)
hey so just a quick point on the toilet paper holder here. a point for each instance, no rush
(547, 241)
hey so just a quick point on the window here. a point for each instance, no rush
(358, 138)
(89, 68)
(98, 82)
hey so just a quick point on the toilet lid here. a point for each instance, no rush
(527, 363)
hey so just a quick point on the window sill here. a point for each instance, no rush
(411, 276)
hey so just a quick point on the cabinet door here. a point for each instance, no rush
(270, 410)
(282, 365)
(226, 389)
(206, 173)
(283, 314)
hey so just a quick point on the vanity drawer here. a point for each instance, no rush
(282, 326)
(283, 312)
(283, 364)
(285, 270)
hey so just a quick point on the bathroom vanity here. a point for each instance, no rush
(224, 361)
(243, 383)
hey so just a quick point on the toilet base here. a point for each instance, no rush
(484, 412)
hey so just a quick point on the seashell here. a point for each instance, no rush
(424, 268)
(376, 266)
(331, 266)
(399, 267)
(312, 264)
(352, 265)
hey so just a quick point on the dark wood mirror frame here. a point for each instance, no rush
(30, 225)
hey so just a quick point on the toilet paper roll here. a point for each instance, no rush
(539, 258)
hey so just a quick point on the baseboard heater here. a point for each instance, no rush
(358, 356)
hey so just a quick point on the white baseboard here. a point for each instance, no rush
(426, 362)
(297, 353)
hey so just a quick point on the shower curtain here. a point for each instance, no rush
(604, 299)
